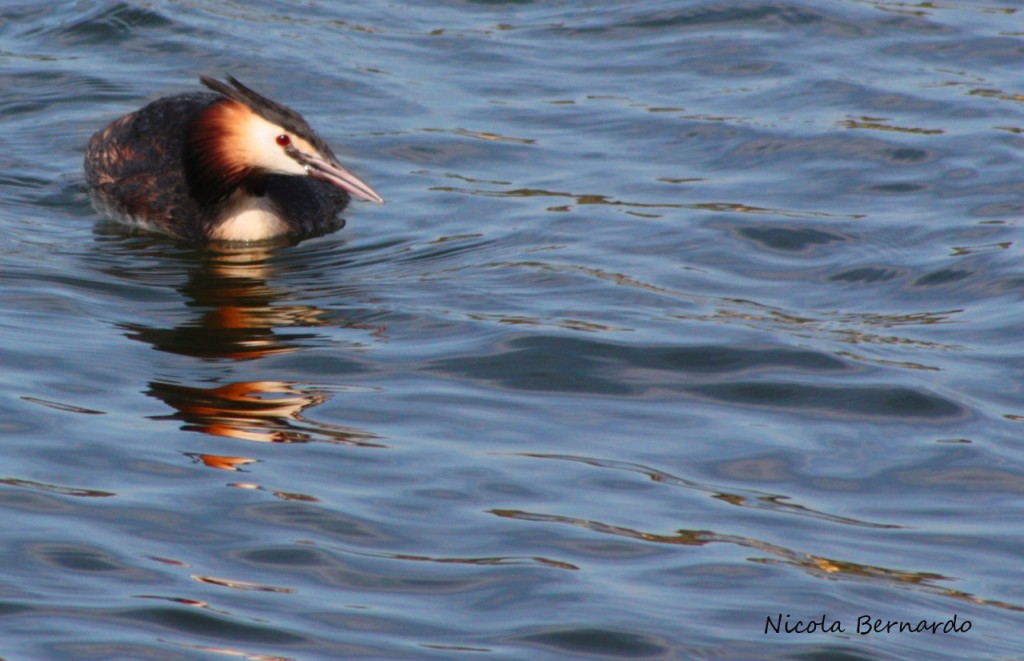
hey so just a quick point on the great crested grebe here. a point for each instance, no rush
(225, 166)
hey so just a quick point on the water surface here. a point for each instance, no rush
(680, 316)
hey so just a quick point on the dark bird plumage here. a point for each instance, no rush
(224, 165)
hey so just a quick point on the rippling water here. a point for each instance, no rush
(681, 318)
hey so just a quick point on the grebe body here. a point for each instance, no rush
(227, 165)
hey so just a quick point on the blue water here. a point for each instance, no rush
(681, 318)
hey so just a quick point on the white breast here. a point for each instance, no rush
(249, 219)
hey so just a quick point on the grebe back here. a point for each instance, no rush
(227, 165)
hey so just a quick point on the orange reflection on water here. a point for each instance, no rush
(168, 561)
(241, 585)
(236, 310)
(815, 565)
(261, 411)
(222, 462)
(196, 603)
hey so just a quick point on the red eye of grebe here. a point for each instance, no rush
(284, 140)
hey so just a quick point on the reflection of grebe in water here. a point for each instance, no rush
(263, 411)
(231, 166)
(234, 314)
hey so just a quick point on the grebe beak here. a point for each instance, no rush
(334, 174)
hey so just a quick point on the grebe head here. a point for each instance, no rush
(244, 135)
